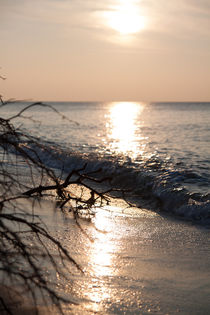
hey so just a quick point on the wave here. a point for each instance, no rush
(163, 188)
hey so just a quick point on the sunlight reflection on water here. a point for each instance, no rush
(104, 272)
(124, 128)
(101, 262)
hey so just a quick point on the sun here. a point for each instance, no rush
(125, 18)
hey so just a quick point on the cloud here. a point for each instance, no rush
(180, 18)
(201, 5)
(174, 22)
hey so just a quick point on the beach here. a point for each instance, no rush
(134, 261)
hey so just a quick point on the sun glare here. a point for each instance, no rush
(102, 262)
(125, 18)
(123, 126)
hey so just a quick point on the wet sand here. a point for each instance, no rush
(139, 262)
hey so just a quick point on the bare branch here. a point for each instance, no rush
(41, 179)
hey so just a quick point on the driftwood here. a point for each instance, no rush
(13, 240)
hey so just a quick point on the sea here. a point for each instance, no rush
(160, 152)
(150, 254)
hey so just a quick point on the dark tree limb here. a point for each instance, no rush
(13, 189)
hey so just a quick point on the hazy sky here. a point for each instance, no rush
(149, 50)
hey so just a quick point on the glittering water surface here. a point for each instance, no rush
(173, 137)
(160, 151)
(139, 263)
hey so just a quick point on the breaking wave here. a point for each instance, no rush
(152, 181)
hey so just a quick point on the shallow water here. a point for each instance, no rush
(137, 263)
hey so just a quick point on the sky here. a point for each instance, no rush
(113, 50)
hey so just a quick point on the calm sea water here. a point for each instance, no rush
(160, 150)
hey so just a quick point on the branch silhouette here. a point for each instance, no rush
(18, 259)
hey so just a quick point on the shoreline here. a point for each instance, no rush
(138, 262)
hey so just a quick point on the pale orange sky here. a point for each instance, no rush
(93, 50)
